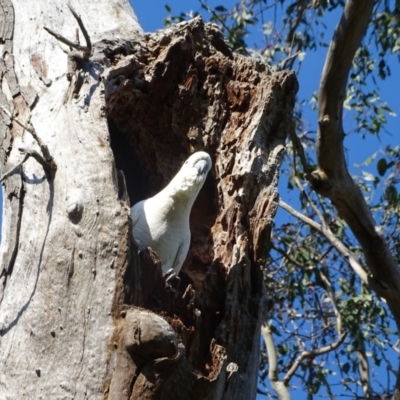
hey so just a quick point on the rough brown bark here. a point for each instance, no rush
(187, 91)
(73, 287)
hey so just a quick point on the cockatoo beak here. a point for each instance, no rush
(202, 166)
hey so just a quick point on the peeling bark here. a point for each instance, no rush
(201, 96)
(92, 317)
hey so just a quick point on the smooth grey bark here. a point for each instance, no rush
(61, 238)
(279, 386)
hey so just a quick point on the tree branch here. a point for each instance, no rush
(45, 159)
(87, 50)
(313, 206)
(83, 29)
(339, 246)
(48, 168)
(332, 178)
(66, 41)
(279, 387)
(312, 354)
(345, 42)
(286, 255)
(305, 354)
(13, 169)
(363, 368)
(298, 150)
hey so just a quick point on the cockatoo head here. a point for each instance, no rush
(192, 174)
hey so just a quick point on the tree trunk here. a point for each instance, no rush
(83, 314)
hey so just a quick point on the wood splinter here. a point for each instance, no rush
(44, 159)
(78, 54)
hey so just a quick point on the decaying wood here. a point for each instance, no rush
(183, 90)
(83, 313)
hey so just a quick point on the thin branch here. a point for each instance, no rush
(299, 151)
(313, 206)
(289, 258)
(13, 169)
(279, 387)
(290, 59)
(291, 245)
(46, 160)
(49, 171)
(325, 253)
(312, 354)
(16, 120)
(66, 41)
(326, 349)
(363, 368)
(83, 29)
(31, 130)
(215, 15)
(339, 246)
(332, 297)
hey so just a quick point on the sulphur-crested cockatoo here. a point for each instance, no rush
(162, 221)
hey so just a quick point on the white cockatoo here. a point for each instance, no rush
(162, 221)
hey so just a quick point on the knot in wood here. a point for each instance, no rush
(148, 336)
(325, 120)
(320, 182)
(74, 209)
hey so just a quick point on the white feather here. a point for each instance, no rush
(162, 221)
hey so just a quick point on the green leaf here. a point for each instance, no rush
(368, 176)
(391, 194)
(382, 166)
(268, 28)
(346, 367)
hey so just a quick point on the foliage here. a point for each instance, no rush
(316, 296)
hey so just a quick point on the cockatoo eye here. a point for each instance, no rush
(201, 166)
